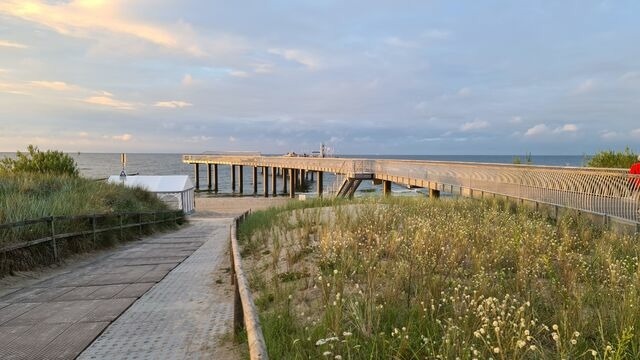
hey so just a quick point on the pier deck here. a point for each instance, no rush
(159, 316)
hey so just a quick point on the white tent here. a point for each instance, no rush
(175, 190)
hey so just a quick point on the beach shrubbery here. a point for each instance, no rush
(613, 159)
(416, 278)
(36, 161)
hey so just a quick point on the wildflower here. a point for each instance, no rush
(521, 344)
(555, 337)
(594, 353)
(608, 348)
(338, 357)
(576, 334)
(533, 348)
(326, 353)
(555, 327)
(496, 350)
(346, 334)
(574, 341)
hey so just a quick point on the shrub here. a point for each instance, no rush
(613, 159)
(36, 161)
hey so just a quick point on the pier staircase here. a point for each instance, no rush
(348, 187)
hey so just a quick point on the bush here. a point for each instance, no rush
(36, 161)
(613, 159)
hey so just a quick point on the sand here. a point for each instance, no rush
(232, 206)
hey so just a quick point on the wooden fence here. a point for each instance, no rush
(244, 310)
(48, 229)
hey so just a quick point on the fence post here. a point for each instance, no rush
(53, 238)
(94, 226)
(121, 234)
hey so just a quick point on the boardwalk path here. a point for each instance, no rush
(180, 312)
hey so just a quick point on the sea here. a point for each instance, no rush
(102, 165)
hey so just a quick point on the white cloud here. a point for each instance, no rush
(566, 128)
(83, 134)
(397, 42)
(436, 34)
(474, 125)
(11, 44)
(516, 120)
(609, 135)
(537, 130)
(631, 75)
(187, 80)
(108, 100)
(172, 104)
(635, 133)
(298, 56)
(123, 137)
(239, 73)
(464, 92)
(263, 68)
(232, 139)
(585, 87)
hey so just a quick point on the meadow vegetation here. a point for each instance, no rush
(417, 278)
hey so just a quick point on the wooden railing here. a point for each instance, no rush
(46, 230)
(244, 309)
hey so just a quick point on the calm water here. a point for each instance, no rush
(100, 166)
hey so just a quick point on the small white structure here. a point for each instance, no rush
(177, 191)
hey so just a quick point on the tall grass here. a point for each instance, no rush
(415, 278)
(30, 195)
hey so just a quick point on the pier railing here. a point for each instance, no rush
(604, 191)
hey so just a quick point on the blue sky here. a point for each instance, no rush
(381, 77)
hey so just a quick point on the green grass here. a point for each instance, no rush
(407, 278)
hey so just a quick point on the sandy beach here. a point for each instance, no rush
(231, 206)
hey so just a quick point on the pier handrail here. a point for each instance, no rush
(245, 312)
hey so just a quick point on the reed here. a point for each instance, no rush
(414, 278)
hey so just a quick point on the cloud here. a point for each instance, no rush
(106, 99)
(516, 120)
(239, 73)
(542, 129)
(11, 44)
(609, 135)
(537, 130)
(187, 80)
(566, 128)
(464, 92)
(635, 133)
(172, 104)
(585, 87)
(93, 18)
(631, 75)
(232, 139)
(263, 68)
(474, 125)
(436, 34)
(397, 42)
(298, 56)
(53, 85)
(123, 137)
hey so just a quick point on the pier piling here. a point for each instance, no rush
(197, 175)
(292, 186)
(215, 177)
(319, 183)
(386, 187)
(255, 180)
(233, 178)
(274, 181)
(240, 179)
(265, 180)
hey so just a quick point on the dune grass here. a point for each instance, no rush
(416, 278)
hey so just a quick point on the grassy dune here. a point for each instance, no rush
(30, 195)
(413, 278)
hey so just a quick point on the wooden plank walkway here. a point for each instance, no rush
(57, 318)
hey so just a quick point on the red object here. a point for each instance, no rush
(635, 170)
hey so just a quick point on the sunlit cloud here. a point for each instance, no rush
(516, 120)
(543, 129)
(123, 137)
(585, 87)
(109, 101)
(53, 85)
(298, 56)
(172, 104)
(537, 130)
(263, 68)
(239, 73)
(11, 44)
(566, 128)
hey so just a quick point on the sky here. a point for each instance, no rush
(364, 77)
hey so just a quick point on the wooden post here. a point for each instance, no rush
(233, 178)
(284, 180)
(292, 186)
(240, 179)
(320, 185)
(265, 180)
(197, 175)
(386, 187)
(209, 179)
(255, 180)
(433, 193)
(53, 238)
(215, 177)
(238, 316)
(274, 181)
